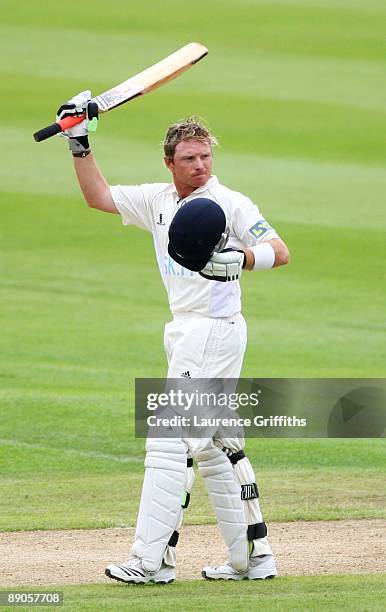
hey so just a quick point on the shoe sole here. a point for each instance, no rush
(110, 575)
(204, 575)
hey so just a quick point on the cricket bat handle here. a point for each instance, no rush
(56, 128)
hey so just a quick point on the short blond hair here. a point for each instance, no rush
(191, 128)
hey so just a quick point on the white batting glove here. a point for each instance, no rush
(78, 135)
(73, 108)
(224, 266)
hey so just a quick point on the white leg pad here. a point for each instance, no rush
(162, 492)
(225, 495)
(170, 553)
(246, 475)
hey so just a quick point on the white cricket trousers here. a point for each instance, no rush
(201, 347)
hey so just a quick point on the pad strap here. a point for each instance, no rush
(257, 531)
(249, 491)
(174, 538)
(235, 457)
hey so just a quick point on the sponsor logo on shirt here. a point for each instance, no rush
(260, 228)
(172, 268)
(160, 219)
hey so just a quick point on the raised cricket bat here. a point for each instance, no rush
(151, 78)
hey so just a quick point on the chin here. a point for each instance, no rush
(201, 180)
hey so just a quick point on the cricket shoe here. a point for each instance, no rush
(132, 572)
(260, 568)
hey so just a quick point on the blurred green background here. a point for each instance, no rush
(295, 92)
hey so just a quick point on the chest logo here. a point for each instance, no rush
(160, 219)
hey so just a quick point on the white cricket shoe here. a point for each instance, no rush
(132, 572)
(260, 568)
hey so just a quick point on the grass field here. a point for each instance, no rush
(293, 89)
(59, 481)
(308, 594)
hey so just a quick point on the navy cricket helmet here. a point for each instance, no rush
(197, 229)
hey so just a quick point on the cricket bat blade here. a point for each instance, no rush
(143, 82)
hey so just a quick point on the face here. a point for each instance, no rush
(191, 166)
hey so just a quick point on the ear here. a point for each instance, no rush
(169, 163)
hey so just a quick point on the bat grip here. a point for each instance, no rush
(56, 128)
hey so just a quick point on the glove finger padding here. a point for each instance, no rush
(224, 266)
(77, 106)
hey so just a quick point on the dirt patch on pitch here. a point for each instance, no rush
(40, 558)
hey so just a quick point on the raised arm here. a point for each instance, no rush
(93, 184)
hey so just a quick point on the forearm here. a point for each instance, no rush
(93, 184)
(270, 254)
(249, 259)
(91, 181)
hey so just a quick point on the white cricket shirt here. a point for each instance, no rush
(153, 206)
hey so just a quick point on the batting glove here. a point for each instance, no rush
(224, 266)
(78, 135)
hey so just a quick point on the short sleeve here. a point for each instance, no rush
(249, 225)
(131, 203)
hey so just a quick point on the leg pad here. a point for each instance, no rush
(224, 491)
